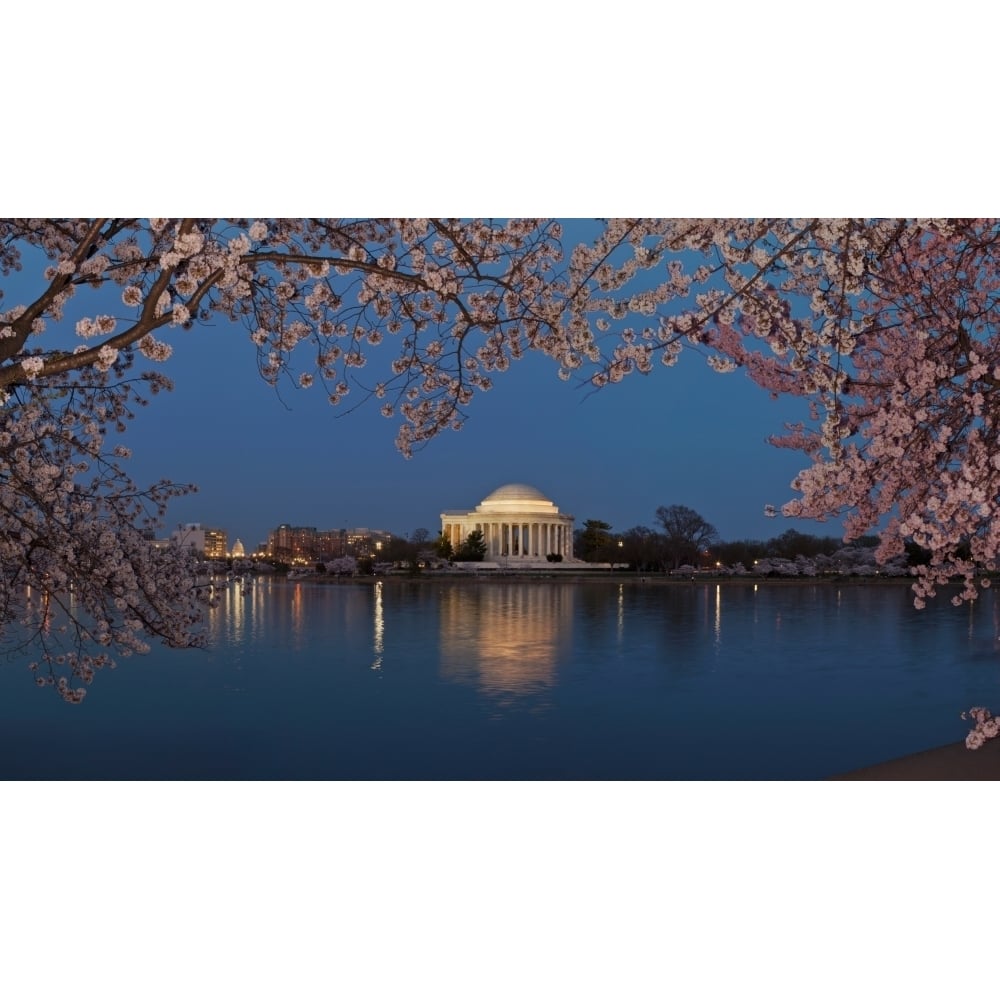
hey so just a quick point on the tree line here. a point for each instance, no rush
(683, 537)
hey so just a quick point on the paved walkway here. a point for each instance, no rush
(948, 763)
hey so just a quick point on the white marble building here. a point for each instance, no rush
(517, 522)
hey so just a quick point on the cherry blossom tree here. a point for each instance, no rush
(885, 328)
(342, 566)
(89, 299)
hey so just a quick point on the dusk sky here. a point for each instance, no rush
(262, 457)
(681, 435)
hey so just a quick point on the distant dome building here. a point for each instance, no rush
(517, 521)
(238, 551)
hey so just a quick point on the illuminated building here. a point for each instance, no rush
(364, 543)
(211, 543)
(517, 521)
(292, 544)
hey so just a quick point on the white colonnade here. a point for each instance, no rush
(526, 539)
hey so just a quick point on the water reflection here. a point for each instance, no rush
(504, 639)
(717, 629)
(231, 618)
(379, 628)
(297, 610)
(245, 611)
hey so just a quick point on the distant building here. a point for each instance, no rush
(216, 543)
(330, 545)
(211, 543)
(302, 545)
(363, 543)
(238, 551)
(290, 544)
(516, 521)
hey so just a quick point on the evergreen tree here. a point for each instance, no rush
(594, 541)
(473, 549)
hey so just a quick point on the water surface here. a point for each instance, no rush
(495, 679)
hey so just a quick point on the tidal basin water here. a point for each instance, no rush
(496, 679)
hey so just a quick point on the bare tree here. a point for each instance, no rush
(686, 533)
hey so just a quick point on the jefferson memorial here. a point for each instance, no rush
(516, 521)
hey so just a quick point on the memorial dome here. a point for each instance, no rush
(516, 491)
(517, 497)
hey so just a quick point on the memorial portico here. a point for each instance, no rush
(517, 522)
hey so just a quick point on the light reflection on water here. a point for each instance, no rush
(498, 679)
(717, 625)
(379, 628)
(504, 639)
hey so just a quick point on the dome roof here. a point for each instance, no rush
(517, 497)
(516, 491)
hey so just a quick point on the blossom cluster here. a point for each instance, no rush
(80, 584)
(986, 727)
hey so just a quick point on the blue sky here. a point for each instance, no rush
(681, 435)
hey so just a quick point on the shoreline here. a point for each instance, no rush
(643, 580)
